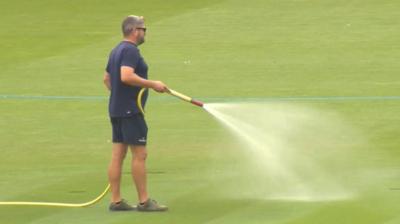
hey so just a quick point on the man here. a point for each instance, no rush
(125, 75)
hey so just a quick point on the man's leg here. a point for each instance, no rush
(139, 154)
(115, 169)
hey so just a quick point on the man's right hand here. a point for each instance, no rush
(159, 86)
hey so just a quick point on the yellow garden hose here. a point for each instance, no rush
(185, 98)
(57, 204)
(139, 100)
(171, 92)
(97, 199)
(74, 205)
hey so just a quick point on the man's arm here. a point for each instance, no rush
(129, 77)
(106, 80)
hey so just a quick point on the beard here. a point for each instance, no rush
(140, 40)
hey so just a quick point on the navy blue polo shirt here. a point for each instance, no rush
(123, 97)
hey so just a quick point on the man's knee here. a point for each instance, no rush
(139, 152)
(142, 156)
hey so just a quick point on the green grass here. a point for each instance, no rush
(58, 150)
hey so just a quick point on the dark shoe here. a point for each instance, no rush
(151, 206)
(121, 206)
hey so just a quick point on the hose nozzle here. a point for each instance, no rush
(185, 98)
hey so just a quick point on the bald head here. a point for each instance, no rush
(130, 23)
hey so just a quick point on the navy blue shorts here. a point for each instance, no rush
(129, 130)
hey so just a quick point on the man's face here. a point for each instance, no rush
(140, 33)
